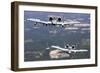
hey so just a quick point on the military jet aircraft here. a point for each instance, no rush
(68, 48)
(55, 20)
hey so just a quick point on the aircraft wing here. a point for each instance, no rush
(83, 50)
(38, 21)
(54, 22)
(67, 50)
(57, 47)
(67, 23)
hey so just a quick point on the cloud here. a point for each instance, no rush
(81, 25)
(71, 28)
(85, 29)
(36, 27)
(28, 40)
(53, 32)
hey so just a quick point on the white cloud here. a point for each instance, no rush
(81, 25)
(28, 40)
(85, 29)
(71, 28)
